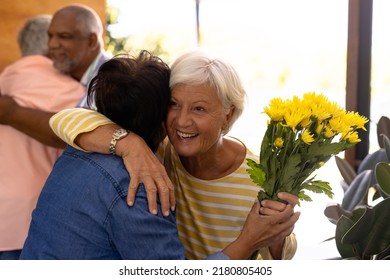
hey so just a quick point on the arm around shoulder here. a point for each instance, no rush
(70, 124)
(32, 122)
(89, 130)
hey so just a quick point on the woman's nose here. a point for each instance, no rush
(183, 118)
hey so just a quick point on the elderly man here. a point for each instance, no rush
(76, 48)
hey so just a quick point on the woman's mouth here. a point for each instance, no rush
(186, 135)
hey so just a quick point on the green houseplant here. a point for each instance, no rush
(363, 218)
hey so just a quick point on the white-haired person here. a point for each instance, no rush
(76, 47)
(34, 83)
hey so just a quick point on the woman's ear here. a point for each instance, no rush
(228, 118)
(231, 112)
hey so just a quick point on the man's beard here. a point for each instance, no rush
(67, 65)
(63, 66)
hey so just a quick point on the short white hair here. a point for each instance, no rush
(195, 68)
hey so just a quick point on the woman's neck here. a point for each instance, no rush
(219, 161)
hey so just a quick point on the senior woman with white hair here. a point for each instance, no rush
(214, 194)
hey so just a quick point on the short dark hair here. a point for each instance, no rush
(134, 93)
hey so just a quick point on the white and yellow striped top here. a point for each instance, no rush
(210, 213)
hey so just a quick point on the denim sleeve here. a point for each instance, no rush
(218, 256)
(138, 234)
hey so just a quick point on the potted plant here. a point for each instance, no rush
(363, 218)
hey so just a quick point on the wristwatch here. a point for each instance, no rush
(117, 135)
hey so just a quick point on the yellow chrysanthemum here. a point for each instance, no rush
(296, 115)
(276, 109)
(307, 138)
(334, 109)
(306, 122)
(338, 124)
(279, 142)
(321, 113)
(352, 137)
(314, 98)
(356, 121)
(328, 133)
(319, 127)
(294, 103)
(323, 129)
(293, 119)
(321, 107)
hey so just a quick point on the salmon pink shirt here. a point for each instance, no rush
(24, 162)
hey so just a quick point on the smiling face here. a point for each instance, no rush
(195, 120)
(71, 50)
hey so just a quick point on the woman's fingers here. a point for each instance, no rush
(144, 167)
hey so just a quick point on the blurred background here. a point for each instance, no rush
(280, 48)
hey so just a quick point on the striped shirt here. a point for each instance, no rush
(210, 213)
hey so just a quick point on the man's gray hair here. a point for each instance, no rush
(33, 38)
(88, 21)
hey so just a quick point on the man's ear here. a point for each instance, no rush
(93, 40)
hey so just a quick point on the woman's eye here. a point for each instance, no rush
(199, 109)
(173, 104)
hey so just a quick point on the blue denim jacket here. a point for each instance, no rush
(82, 214)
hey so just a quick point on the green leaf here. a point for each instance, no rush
(382, 173)
(262, 195)
(346, 170)
(357, 191)
(370, 232)
(255, 172)
(319, 187)
(343, 225)
(382, 129)
(386, 144)
(271, 168)
(266, 144)
(334, 211)
(304, 197)
(385, 255)
(361, 228)
(370, 161)
(378, 239)
(289, 171)
(317, 149)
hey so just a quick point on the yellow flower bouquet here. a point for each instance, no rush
(302, 135)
